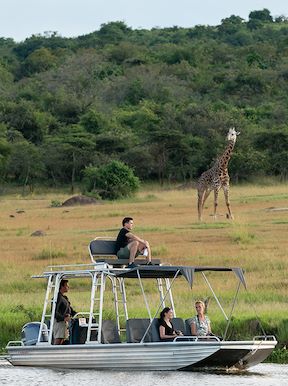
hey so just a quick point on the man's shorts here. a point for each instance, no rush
(60, 330)
(124, 253)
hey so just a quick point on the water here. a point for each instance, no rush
(263, 374)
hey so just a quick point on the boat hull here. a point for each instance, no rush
(186, 356)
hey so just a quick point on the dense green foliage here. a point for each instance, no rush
(111, 181)
(159, 100)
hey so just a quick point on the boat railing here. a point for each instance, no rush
(264, 337)
(76, 267)
(196, 338)
(82, 318)
(13, 343)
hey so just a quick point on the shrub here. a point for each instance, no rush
(111, 181)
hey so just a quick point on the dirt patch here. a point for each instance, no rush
(81, 200)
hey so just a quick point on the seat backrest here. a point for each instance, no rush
(155, 335)
(109, 332)
(188, 326)
(135, 330)
(178, 324)
(99, 247)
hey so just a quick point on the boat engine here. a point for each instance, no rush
(30, 332)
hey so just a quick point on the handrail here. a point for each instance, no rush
(12, 343)
(264, 337)
(196, 338)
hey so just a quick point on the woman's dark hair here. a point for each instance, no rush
(63, 282)
(164, 311)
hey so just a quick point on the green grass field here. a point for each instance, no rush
(256, 240)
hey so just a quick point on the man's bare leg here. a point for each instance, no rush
(133, 247)
(142, 247)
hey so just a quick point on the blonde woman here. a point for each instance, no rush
(200, 324)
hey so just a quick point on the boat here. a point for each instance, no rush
(133, 344)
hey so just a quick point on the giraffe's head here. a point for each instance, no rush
(232, 134)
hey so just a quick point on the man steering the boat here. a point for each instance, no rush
(129, 246)
(63, 315)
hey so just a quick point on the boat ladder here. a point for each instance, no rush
(119, 286)
(96, 306)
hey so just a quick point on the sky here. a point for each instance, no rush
(19, 19)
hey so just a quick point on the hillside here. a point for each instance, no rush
(160, 100)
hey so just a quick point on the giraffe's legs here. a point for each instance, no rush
(216, 192)
(226, 195)
(200, 200)
(202, 197)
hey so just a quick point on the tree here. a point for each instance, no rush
(67, 154)
(258, 18)
(94, 122)
(39, 60)
(5, 150)
(24, 117)
(111, 181)
(25, 165)
(231, 24)
(113, 32)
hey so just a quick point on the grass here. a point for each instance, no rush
(256, 240)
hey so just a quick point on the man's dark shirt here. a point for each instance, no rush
(121, 240)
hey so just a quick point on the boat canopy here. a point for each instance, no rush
(172, 271)
(143, 271)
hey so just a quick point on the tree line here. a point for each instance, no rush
(158, 101)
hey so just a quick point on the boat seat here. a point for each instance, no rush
(109, 332)
(188, 326)
(135, 330)
(178, 324)
(101, 249)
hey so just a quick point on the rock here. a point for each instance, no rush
(273, 209)
(20, 211)
(38, 233)
(11, 215)
(81, 200)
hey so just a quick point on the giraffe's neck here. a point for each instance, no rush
(225, 157)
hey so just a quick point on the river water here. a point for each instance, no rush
(264, 375)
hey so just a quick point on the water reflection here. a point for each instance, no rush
(264, 374)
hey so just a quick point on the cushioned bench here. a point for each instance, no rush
(101, 249)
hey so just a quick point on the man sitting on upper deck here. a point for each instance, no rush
(129, 245)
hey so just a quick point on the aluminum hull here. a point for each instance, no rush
(187, 356)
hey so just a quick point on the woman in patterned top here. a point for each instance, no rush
(200, 324)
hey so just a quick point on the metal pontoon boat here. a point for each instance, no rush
(96, 343)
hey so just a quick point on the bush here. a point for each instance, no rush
(111, 181)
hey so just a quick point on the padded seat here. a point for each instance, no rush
(135, 330)
(110, 332)
(188, 326)
(178, 324)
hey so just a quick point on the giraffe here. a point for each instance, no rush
(217, 177)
